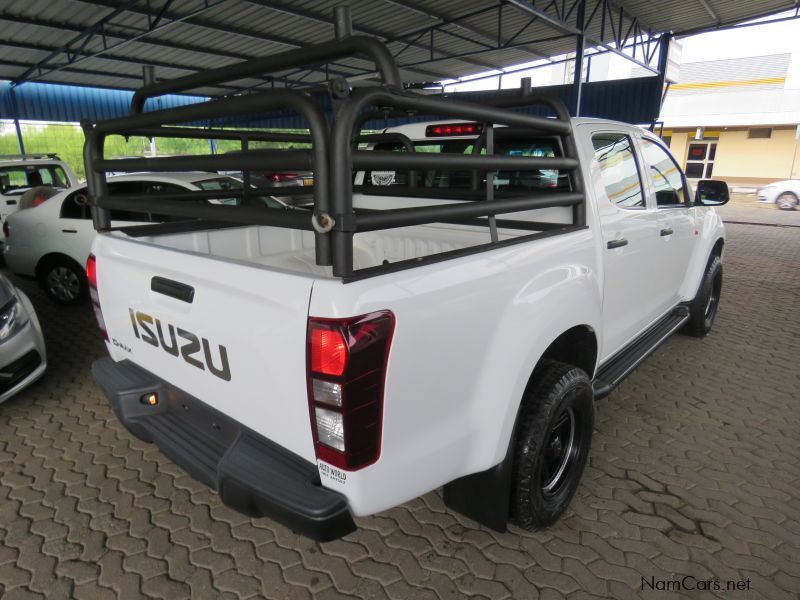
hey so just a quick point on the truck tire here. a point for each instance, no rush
(63, 281)
(554, 433)
(703, 309)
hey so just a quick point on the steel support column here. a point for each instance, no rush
(15, 109)
(580, 47)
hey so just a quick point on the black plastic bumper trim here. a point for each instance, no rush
(252, 474)
(14, 372)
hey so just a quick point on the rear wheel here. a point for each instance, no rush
(703, 309)
(786, 201)
(554, 434)
(63, 281)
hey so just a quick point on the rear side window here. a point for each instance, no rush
(614, 154)
(665, 175)
(17, 179)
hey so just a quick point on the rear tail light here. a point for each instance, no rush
(279, 177)
(91, 277)
(346, 370)
(448, 129)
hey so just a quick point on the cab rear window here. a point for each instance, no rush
(513, 181)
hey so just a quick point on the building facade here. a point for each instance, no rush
(736, 119)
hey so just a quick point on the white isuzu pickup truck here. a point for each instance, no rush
(462, 290)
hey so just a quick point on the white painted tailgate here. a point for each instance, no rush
(258, 315)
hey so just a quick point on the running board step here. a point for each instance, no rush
(626, 360)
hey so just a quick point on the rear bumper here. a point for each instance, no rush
(251, 473)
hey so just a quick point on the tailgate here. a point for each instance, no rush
(239, 344)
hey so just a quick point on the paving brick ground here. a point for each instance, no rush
(695, 470)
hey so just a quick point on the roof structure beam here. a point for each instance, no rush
(460, 24)
(44, 67)
(123, 59)
(710, 10)
(559, 23)
(199, 21)
(299, 12)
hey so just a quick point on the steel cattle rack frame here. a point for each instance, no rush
(333, 157)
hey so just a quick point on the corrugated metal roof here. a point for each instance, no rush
(433, 39)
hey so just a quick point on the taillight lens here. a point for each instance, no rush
(346, 369)
(279, 177)
(454, 129)
(91, 277)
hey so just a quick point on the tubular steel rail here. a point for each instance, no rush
(334, 156)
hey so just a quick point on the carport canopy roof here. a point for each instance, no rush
(105, 43)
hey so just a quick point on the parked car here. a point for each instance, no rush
(40, 174)
(51, 241)
(450, 328)
(23, 359)
(784, 194)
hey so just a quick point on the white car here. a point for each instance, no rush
(51, 241)
(20, 174)
(784, 194)
(22, 353)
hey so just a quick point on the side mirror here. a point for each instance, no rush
(710, 192)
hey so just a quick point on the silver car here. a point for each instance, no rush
(784, 194)
(22, 354)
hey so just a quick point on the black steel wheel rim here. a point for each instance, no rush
(560, 452)
(713, 299)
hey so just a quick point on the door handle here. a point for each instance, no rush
(667, 231)
(69, 231)
(617, 243)
(173, 289)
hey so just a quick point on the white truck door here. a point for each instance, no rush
(676, 220)
(630, 235)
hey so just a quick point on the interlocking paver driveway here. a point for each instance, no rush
(695, 470)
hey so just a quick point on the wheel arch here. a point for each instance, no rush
(51, 257)
(486, 496)
(717, 249)
(576, 346)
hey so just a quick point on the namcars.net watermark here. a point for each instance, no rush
(689, 583)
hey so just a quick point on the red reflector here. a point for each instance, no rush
(91, 277)
(328, 351)
(91, 271)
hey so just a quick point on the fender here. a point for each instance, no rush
(482, 353)
(711, 231)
